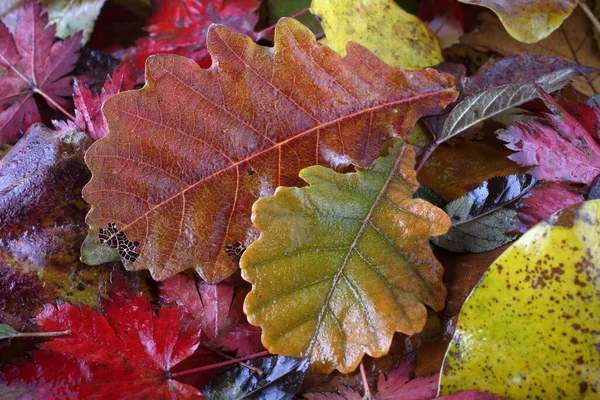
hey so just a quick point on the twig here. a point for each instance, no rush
(37, 334)
(590, 14)
(219, 365)
(55, 104)
(262, 34)
(365, 382)
(256, 370)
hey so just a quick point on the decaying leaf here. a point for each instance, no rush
(529, 21)
(126, 350)
(572, 42)
(544, 200)
(483, 219)
(34, 63)
(344, 263)
(188, 154)
(395, 36)
(282, 379)
(568, 151)
(530, 327)
(461, 164)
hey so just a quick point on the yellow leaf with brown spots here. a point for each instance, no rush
(343, 264)
(573, 42)
(530, 328)
(529, 21)
(397, 37)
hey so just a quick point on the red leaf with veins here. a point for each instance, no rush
(564, 152)
(215, 309)
(34, 63)
(180, 26)
(543, 201)
(127, 349)
(88, 113)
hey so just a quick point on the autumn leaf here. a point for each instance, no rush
(281, 378)
(572, 42)
(352, 268)
(483, 219)
(395, 36)
(528, 327)
(529, 21)
(544, 200)
(564, 152)
(34, 63)
(216, 311)
(188, 154)
(127, 349)
(179, 27)
(88, 112)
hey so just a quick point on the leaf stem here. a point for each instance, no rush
(589, 14)
(37, 334)
(365, 382)
(256, 370)
(425, 156)
(264, 32)
(55, 104)
(219, 365)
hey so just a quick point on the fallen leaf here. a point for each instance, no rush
(529, 21)
(88, 112)
(214, 309)
(281, 379)
(353, 268)
(34, 63)
(180, 27)
(127, 349)
(564, 152)
(529, 326)
(483, 219)
(543, 201)
(277, 9)
(188, 154)
(572, 42)
(594, 192)
(395, 36)
(507, 83)
(399, 386)
(461, 164)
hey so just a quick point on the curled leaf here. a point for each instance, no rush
(344, 263)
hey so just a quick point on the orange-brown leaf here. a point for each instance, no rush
(187, 155)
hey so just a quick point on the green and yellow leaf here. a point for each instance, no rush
(530, 328)
(344, 263)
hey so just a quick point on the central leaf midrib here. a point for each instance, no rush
(352, 246)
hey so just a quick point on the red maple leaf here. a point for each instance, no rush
(34, 63)
(217, 311)
(88, 113)
(565, 152)
(180, 26)
(126, 350)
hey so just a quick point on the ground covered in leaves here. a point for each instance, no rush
(282, 199)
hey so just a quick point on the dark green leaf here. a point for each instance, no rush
(281, 380)
(482, 219)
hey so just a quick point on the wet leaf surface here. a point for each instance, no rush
(281, 380)
(235, 132)
(530, 326)
(352, 269)
(483, 219)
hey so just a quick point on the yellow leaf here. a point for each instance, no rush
(529, 21)
(530, 329)
(344, 263)
(397, 37)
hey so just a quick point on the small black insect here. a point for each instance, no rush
(118, 240)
